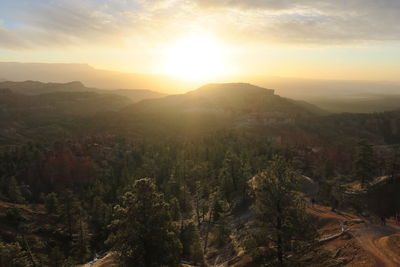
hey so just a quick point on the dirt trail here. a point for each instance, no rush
(374, 239)
(381, 242)
(325, 212)
(106, 261)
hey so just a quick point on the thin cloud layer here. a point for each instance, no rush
(10, 40)
(45, 23)
(309, 21)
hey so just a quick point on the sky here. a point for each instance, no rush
(325, 39)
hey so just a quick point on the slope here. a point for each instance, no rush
(92, 77)
(28, 117)
(214, 107)
(35, 88)
(232, 98)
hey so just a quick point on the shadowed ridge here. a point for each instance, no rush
(218, 98)
(232, 88)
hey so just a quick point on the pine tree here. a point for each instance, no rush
(143, 230)
(100, 216)
(14, 192)
(69, 212)
(12, 255)
(364, 162)
(176, 214)
(197, 198)
(80, 238)
(51, 202)
(393, 164)
(190, 238)
(230, 174)
(56, 257)
(281, 212)
(221, 229)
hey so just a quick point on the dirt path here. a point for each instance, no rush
(106, 261)
(325, 212)
(381, 242)
(374, 239)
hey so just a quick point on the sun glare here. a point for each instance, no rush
(195, 58)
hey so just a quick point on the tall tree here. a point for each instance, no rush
(364, 164)
(144, 234)
(14, 192)
(69, 212)
(12, 255)
(281, 212)
(393, 164)
(51, 202)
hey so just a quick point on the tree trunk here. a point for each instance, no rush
(81, 233)
(279, 241)
(208, 228)
(198, 209)
(206, 237)
(279, 236)
(28, 249)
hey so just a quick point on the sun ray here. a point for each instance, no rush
(195, 58)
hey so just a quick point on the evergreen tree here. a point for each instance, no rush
(230, 174)
(100, 214)
(56, 257)
(51, 202)
(14, 192)
(175, 209)
(393, 164)
(221, 229)
(190, 238)
(69, 213)
(144, 234)
(364, 162)
(80, 238)
(12, 255)
(285, 226)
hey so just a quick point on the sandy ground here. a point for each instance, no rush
(380, 243)
(106, 261)
(376, 240)
(364, 245)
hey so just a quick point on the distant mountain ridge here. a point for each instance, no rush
(332, 95)
(209, 108)
(36, 88)
(218, 98)
(91, 77)
(225, 88)
(228, 97)
(26, 116)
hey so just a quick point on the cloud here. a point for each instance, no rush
(309, 21)
(11, 40)
(69, 22)
(76, 23)
(250, 4)
(326, 5)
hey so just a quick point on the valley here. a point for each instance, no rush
(68, 158)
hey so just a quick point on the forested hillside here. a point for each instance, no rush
(37, 88)
(221, 175)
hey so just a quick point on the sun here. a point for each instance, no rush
(195, 58)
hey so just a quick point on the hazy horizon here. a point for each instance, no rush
(198, 133)
(221, 79)
(199, 41)
(297, 88)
